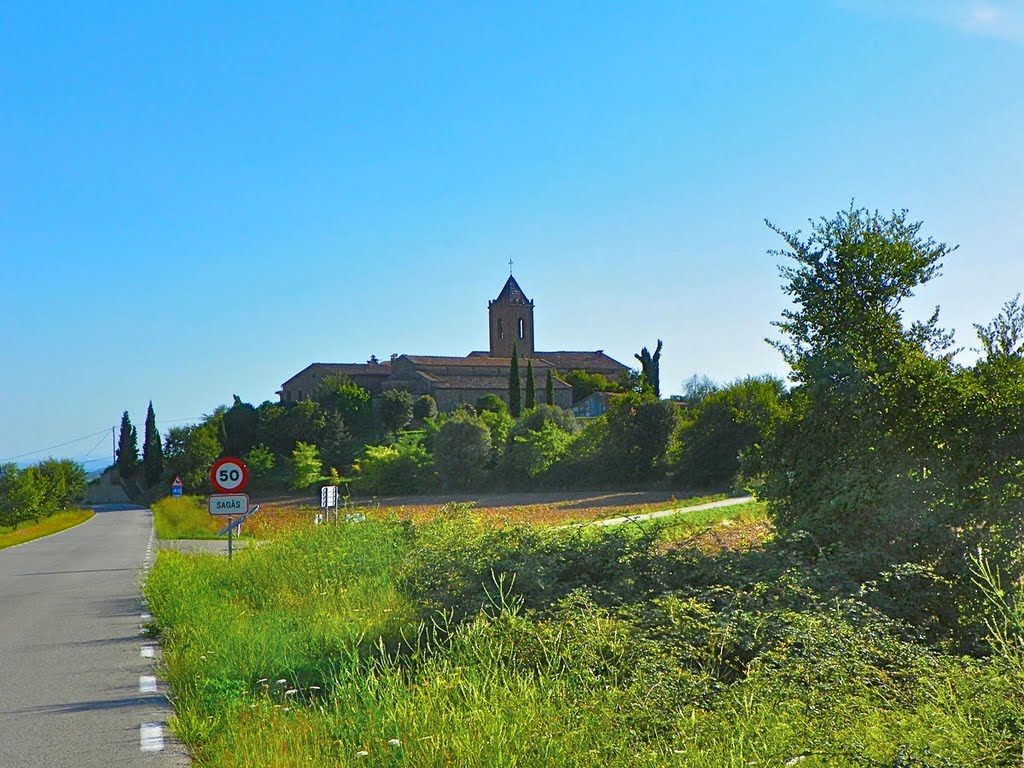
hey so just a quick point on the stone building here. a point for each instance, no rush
(452, 381)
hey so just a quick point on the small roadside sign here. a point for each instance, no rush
(329, 496)
(177, 487)
(229, 475)
(229, 504)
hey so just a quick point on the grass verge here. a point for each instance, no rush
(48, 525)
(387, 643)
(185, 517)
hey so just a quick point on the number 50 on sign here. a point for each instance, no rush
(229, 475)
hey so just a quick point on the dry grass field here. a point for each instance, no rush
(548, 508)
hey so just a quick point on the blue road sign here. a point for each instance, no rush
(176, 490)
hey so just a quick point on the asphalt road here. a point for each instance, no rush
(77, 681)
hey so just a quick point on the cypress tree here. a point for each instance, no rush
(127, 447)
(531, 387)
(152, 450)
(515, 402)
(549, 389)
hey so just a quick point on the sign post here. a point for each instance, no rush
(329, 499)
(229, 477)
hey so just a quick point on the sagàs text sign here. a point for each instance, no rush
(229, 504)
(229, 475)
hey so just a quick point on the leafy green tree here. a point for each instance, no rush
(515, 395)
(190, 453)
(868, 459)
(62, 483)
(639, 429)
(405, 466)
(533, 453)
(723, 426)
(531, 386)
(424, 408)
(549, 389)
(697, 388)
(499, 424)
(260, 461)
(651, 368)
(462, 451)
(341, 394)
(585, 384)
(281, 425)
(21, 495)
(307, 468)
(395, 410)
(152, 450)
(337, 446)
(491, 403)
(240, 427)
(535, 419)
(127, 447)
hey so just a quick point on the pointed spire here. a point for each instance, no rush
(512, 293)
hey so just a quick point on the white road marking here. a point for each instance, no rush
(151, 737)
(147, 684)
(148, 652)
(145, 617)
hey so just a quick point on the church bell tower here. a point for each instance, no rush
(511, 318)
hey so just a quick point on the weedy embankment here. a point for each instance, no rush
(454, 642)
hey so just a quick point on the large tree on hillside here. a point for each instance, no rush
(515, 394)
(127, 447)
(152, 449)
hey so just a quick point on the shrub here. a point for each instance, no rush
(424, 408)
(403, 467)
(462, 451)
(306, 465)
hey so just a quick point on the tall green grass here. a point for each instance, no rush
(185, 517)
(452, 644)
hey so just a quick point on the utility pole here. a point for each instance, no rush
(113, 445)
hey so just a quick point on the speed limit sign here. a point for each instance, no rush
(229, 475)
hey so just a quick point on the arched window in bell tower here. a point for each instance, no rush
(522, 328)
(501, 328)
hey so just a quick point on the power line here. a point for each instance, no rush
(60, 445)
(87, 453)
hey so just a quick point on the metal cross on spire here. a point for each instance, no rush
(510, 265)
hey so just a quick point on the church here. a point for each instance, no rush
(452, 381)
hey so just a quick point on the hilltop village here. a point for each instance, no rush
(454, 381)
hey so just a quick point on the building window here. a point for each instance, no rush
(501, 328)
(522, 328)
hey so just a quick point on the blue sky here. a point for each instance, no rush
(198, 200)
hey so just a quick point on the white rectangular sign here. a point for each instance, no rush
(229, 504)
(329, 496)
